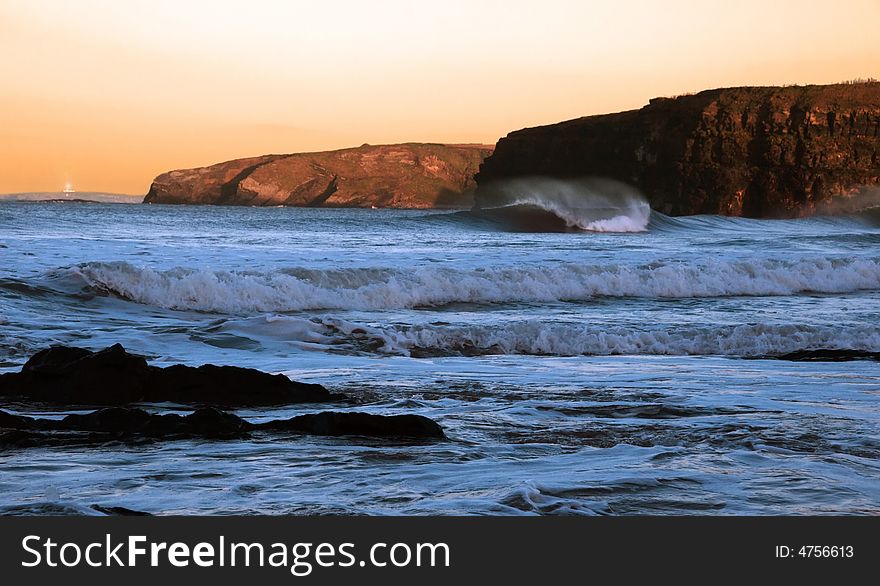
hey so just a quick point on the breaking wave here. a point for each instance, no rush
(863, 223)
(539, 338)
(301, 289)
(552, 205)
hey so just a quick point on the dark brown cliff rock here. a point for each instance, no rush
(412, 175)
(750, 151)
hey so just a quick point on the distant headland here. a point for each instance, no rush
(746, 151)
(410, 175)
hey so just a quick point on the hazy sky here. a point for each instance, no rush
(108, 93)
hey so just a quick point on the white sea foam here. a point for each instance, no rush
(283, 290)
(596, 205)
(633, 219)
(540, 338)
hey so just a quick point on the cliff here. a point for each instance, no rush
(750, 151)
(412, 175)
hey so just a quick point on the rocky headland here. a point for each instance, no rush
(411, 175)
(748, 151)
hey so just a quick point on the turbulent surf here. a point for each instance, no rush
(582, 353)
(552, 205)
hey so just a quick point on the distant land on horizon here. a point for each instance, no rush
(77, 197)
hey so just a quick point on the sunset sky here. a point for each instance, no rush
(107, 94)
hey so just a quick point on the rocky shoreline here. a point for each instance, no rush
(121, 383)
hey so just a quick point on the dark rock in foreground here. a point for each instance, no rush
(232, 385)
(353, 423)
(75, 376)
(121, 423)
(112, 376)
(829, 355)
(121, 420)
(10, 421)
(748, 151)
(120, 511)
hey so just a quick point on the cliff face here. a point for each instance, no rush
(203, 185)
(411, 175)
(752, 151)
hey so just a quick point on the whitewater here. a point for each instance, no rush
(594, 358)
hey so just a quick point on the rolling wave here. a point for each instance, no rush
(868, 218)
(540, 338)
(544, 216)
(538, 204)
(300, 289)
(557, 206)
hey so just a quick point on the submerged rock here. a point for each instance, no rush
(112, 376)
(120, 511)
(10, 421)
(354, 423)
(121, 420)
(748, 151)
(117, 423)
(232, 385)
(829, 355)
(75, 376)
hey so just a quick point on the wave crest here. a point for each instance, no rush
(300, 289)
(540, 338)
(537, 204)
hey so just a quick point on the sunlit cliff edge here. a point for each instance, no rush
(410, 175)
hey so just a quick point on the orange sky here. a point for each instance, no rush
(106, 94)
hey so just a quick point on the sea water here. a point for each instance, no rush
(575, 371)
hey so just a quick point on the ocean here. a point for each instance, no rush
(632, 368)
